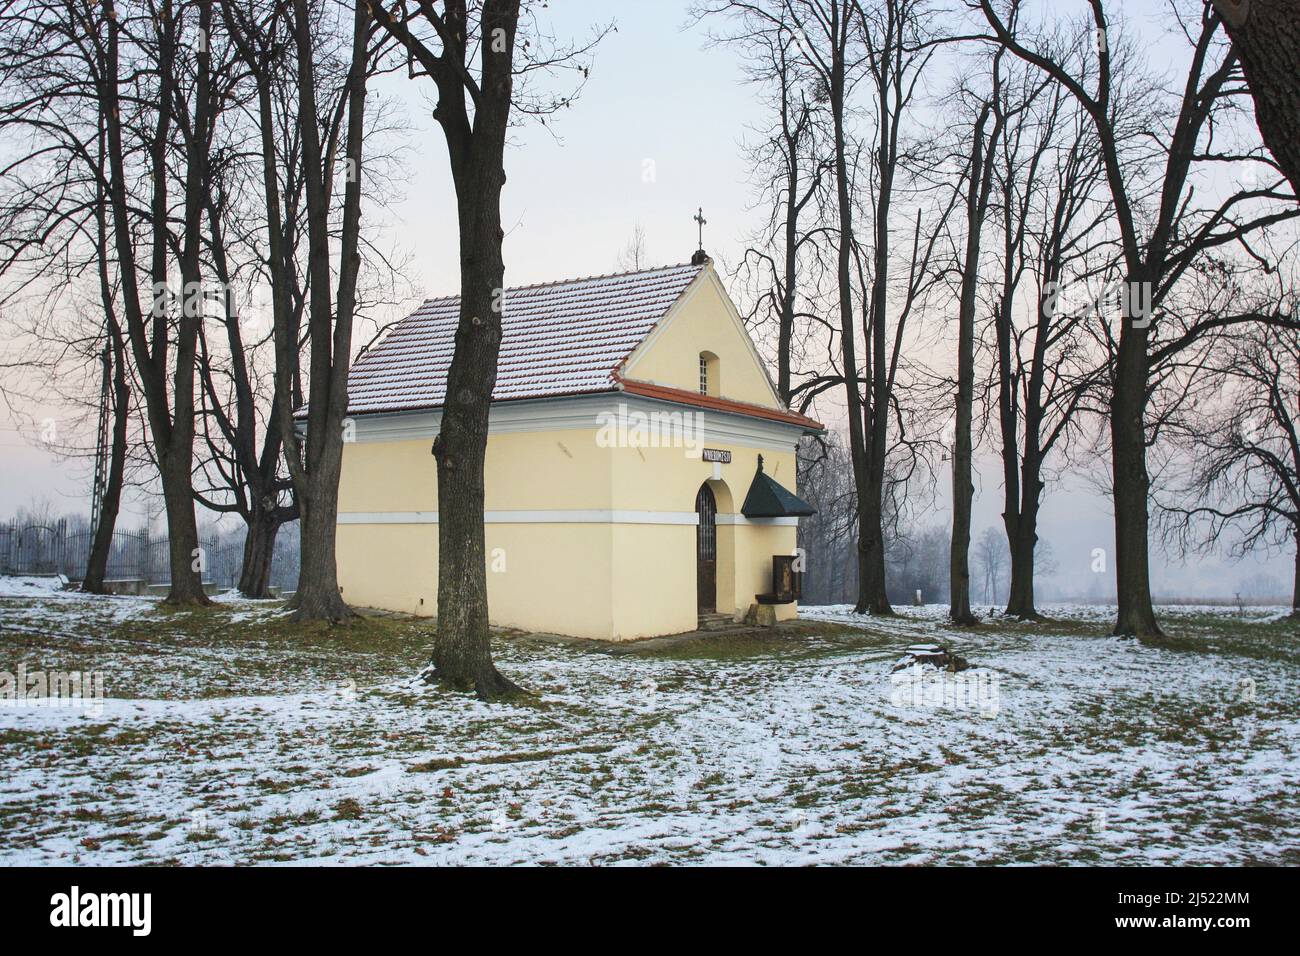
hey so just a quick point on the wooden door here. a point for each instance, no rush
(706, 551)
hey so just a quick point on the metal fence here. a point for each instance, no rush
(57, 548)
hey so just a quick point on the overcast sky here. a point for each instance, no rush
(656, 134)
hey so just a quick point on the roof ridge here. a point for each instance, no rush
(575, 279)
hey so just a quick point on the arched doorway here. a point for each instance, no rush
(706, 550)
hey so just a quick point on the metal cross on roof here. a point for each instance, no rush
(699, 218)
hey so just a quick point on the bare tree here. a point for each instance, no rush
(899, 40)
(790, 171)
(315, 461)
(243, 441)
(470, 55)
(1240, 450)
(262, 226)
(113, 422)
(150, 75)
(1048, 172)
(991, 116)
(820, 180)
(55, 237)
(634, 256)
(991, 558)
(1157, 246)
(843, 43)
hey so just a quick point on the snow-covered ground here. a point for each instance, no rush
(1062, 745)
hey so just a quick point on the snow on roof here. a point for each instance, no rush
(558, 338)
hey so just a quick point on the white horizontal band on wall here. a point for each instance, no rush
(528, 517)
(580, 412)
(741, 519)
(559, 517)
(388, 517)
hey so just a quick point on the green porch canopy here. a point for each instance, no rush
(767, 498)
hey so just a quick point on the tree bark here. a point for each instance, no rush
(873, 594)
(866, 439)
(259, 548)
(785, 331)
(1024, 487)
(101, 545)
(176, 460)
(316, 463)
(462, 656)
(171, 420)
(463, 652)
(1266, 37)
(1135, 614)
(1024, 541)
(963, 487)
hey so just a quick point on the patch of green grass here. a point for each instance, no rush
(436, 764)
(347, 809)
(788, 639)
(171, 653)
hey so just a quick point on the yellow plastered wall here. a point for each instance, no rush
(667, 479)
(566, 469)
(703, 321)
(389, 566)
(388, 476)
(593, 579)
(653, 570)
(555, 578)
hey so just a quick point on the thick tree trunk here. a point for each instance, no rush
(1266, 37)
(259, 548)
(316, 464)
(1135, 615)
(963, 486)
(1023, 493)
(867, 477)
(872, 597)
(1024, 540)
(963, 490)
(183, 553)
(170, 405)
(318, 597)
(462, 656)
(463, 653)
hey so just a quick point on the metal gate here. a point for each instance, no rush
(706, 551)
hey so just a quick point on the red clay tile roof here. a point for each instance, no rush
(560, 338)
(687, 397)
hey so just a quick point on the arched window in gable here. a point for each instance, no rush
(709, 374)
